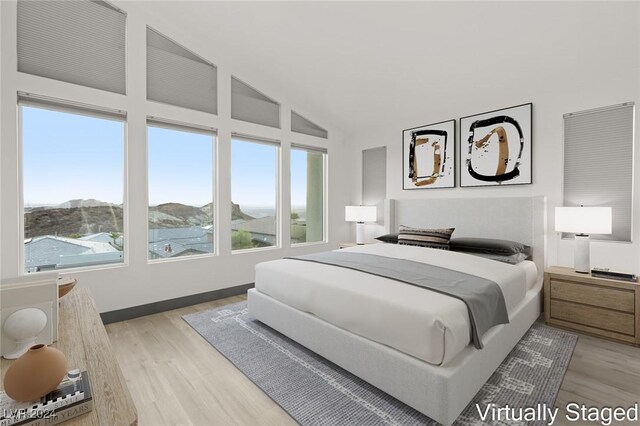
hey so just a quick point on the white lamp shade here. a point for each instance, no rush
(583, 220)
(360, 214)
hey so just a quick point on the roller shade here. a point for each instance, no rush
(598, 164)
(81, 42)
(176, 76)
(178, 125)
(254, 139)
(247, 104)
(46, 102)
(308, 148)
(299, 124)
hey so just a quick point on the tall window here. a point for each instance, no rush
(254, 196)
(598, 164)
(307, 195)
(73, 180)
(180, 191)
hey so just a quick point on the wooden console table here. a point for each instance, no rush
(84, 341)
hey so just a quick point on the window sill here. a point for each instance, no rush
(78, 269)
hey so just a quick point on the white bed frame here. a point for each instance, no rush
(440, 392)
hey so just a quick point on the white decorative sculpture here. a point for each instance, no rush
(23, 327)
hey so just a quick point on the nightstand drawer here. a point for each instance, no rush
(605, 319)
(605, 297)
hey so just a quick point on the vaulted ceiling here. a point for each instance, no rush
(361, 64)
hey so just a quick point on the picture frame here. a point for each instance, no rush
(428, 156)
(496, 147)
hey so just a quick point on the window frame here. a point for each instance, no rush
(77, 108)
(194, 128)
(278, 187)
(325, 192)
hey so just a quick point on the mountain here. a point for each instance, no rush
(92, 216)
(83, 203)
(237, 214)
(173, 215)
(73, 220)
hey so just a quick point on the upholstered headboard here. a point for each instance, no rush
(521, 219)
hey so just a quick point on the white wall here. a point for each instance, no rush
(563, 57)
(138, 282)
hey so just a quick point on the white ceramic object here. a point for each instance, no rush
(23, 327)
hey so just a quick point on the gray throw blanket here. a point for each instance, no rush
(484, 298)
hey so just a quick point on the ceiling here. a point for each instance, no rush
(360, 65)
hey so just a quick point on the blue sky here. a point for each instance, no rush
(180, 167)
(253, 171)
(69, 156)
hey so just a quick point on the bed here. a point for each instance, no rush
(355, 321)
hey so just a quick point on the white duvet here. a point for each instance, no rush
(428, 325)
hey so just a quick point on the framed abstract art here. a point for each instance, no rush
(428, 156)
(495, 147)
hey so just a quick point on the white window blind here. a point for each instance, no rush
(247, 104)
(70, 107)
(81, 42)
(299, 124)
(598, 163)
(176, 76)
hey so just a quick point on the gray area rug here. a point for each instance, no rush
(314, 391)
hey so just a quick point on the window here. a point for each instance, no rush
(181, 195)
(307, 195)
(179, 77)
(248, 104)
(254, 195)
(73, 186)
(598, 164)
(81, 42)
(299, 124)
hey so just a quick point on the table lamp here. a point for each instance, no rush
(583, 221)
(360, 215)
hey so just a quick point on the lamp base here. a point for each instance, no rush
(581, 254)
(360, 233)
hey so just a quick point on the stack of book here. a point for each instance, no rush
(606, 273)
(71, 398)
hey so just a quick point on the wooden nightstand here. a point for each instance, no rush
(598, 306)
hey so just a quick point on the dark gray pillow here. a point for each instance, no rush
(488, 246)
(512, 259)
(388, 238)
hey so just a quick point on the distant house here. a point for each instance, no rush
(262, 230)
(173, 242)
(103, 237)
(51, 252)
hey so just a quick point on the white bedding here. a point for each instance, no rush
(428, 325)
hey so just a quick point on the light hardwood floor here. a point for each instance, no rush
(177, 378)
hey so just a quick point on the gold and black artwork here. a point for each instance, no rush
(429, 156)
(496, 147)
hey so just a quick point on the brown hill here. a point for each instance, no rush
(87, 220)
(74, 220)
(172, 215)
(236, 213)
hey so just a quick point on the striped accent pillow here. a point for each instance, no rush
(432, 238)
